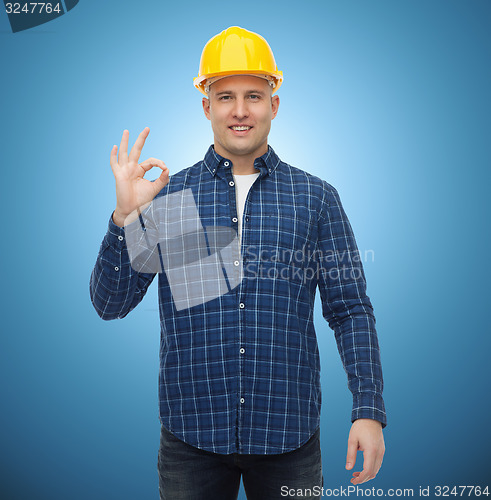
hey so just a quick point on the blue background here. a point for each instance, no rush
(389, 101)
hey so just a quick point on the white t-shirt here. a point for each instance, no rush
(242, 185)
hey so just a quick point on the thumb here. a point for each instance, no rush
(161, 181)
(351, 456)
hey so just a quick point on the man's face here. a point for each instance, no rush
(240, 109)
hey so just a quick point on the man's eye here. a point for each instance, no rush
(254, 96)
(224, 97)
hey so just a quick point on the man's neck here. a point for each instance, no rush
(243, 164)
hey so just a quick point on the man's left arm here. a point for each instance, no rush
(349, 312)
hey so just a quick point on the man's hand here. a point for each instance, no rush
(366, 435)
(132, 190)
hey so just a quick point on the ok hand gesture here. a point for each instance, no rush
(132, 190)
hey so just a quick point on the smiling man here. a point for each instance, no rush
(239, 386)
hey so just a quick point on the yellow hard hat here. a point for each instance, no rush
(237, 51)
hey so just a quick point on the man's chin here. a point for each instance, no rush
(242, 150)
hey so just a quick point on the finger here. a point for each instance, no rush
(114, 160)
(363, 476)
(378, 462)
(351, 455)
(161, 181)
(123, 148)
(368, 471)
(152, 162)
(138, 146)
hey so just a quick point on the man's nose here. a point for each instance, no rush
(240, 109)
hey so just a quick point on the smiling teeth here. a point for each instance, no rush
(241, 128)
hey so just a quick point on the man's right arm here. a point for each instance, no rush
(115, 287)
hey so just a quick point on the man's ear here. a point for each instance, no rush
(206, 107)
(275, 103)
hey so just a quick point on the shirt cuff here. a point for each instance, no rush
(369, 406)
(115, 235)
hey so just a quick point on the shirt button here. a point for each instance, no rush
(116, 268)
(242, 350)
(236, 262)
(226, 163)
(234, 219)
(120, 238)
(231, 183)
(242, 305)
(242, 400)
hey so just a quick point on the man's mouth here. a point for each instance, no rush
(240, 128)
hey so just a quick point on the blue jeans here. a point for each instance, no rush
(189, 473)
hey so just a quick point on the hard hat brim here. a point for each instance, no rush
(200, 81)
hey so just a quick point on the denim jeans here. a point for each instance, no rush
(189, 473)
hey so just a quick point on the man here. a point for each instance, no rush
(239, 383)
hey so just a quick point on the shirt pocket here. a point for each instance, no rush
(287, 234)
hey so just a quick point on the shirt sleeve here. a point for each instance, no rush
(115, 287)
(347, 308)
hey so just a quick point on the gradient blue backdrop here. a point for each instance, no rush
(387, 100)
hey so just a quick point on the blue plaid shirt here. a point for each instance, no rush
(241, 373)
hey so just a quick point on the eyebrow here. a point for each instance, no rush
(228, 92)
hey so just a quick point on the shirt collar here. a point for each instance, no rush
(266, 164)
